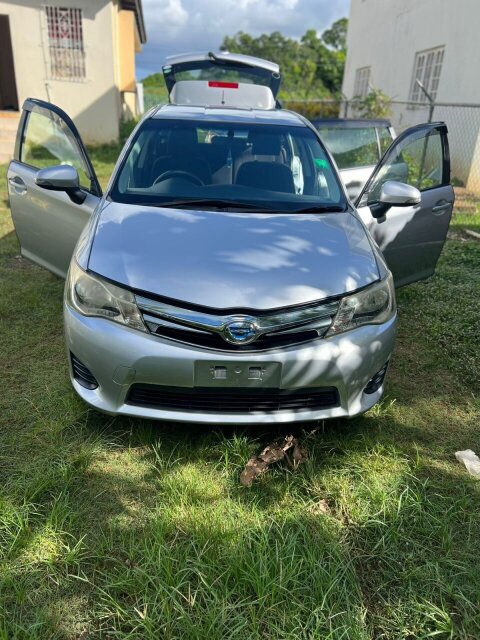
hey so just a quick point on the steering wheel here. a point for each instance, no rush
(177, 173)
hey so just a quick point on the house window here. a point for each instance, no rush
(65, 43)
(427, 69)
(362, 82)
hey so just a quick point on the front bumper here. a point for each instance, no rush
(118, 357)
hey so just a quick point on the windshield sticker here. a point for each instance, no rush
(321, 163)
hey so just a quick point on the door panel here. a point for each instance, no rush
(48, 223)
(411, 238)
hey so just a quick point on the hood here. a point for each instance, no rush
(228, 260)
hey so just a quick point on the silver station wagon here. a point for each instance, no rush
(225, 276)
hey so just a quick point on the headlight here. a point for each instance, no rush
(373, 305)
(93, 296)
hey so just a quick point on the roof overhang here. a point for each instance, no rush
(136, 7)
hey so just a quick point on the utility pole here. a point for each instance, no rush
(429, 98)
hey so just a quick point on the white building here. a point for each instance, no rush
(391, 43)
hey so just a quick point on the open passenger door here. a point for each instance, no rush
(222, 79)
(49, 222)
(411, 237)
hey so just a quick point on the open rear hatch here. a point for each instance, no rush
(222, 80)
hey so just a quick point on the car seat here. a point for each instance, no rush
(183, 155)
(266, 175)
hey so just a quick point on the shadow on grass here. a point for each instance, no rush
(396, 547)
(129, 528)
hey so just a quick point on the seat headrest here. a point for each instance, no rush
(271, 176)
(219, 140)
(183, 136)
(265, 144)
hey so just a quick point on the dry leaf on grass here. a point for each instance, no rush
(299, 454)
(253, 468)
(273, 452)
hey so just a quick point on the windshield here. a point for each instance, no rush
(271, 167)
(356, 147)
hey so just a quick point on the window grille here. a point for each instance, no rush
(362, 82)
(427, 69)
(65, 43)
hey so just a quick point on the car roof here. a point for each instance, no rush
(349, 123)
(216, 114)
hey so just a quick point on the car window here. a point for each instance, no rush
(226, 71)
(216, 73)
(417, 162)
(47, 141)
(275, 166)
(351, 147)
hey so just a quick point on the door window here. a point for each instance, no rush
(48, 141)
(351, 147)
(417, 161)
(384, 138)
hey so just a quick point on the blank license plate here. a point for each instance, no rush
(237, 374)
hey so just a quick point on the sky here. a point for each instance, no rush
(179, 26)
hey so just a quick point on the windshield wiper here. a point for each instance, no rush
(205, 202)
(324, 208)
(235, 204)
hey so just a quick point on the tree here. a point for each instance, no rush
(311, 68)
(336, 36)
(299, 77)
(329, 63)
(154, 80)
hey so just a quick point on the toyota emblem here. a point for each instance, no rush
(240, 332)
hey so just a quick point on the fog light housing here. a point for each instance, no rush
(376, 381)
(82, 374)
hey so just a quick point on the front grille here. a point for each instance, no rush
(228, 400)
(83, 375)
(215, 341)
(206, 328)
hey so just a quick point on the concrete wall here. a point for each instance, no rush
(385, 35)
(93, 103)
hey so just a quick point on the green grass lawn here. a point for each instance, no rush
(118, 528)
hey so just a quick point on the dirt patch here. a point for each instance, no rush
(19, 263)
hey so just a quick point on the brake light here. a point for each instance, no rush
(223, 85)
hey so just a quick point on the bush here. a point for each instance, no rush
(312, 110)
(375, 105)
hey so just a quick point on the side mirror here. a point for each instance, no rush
(394, 194)
(399, 194)
(62, 177)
